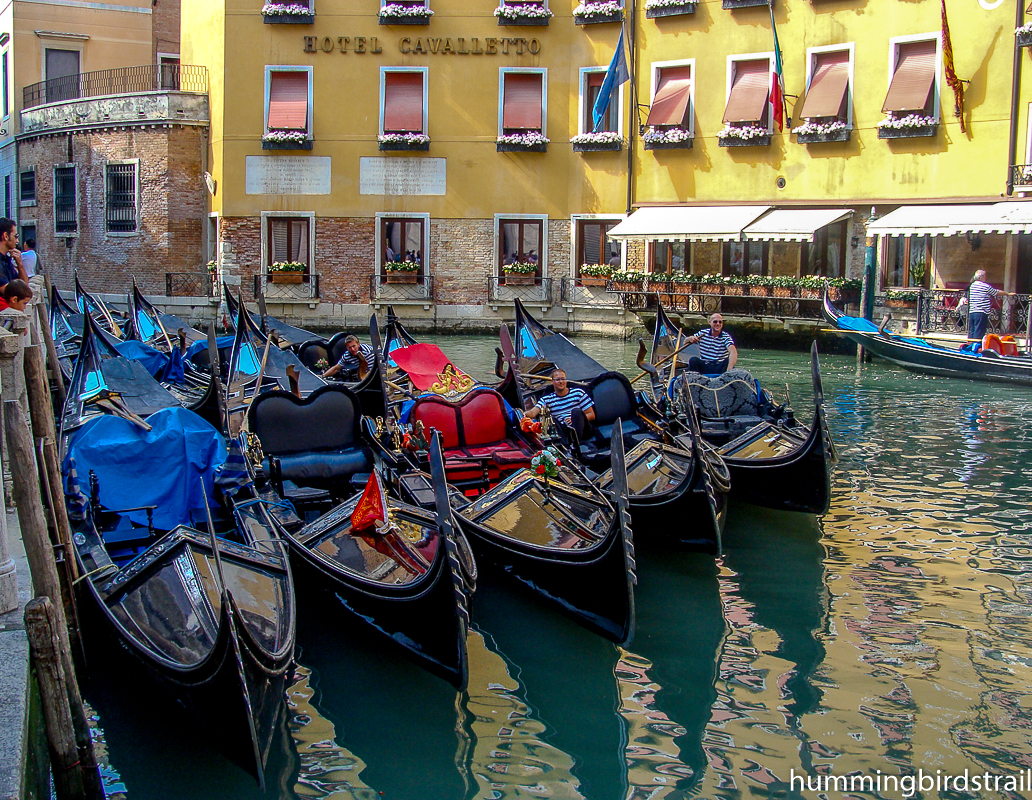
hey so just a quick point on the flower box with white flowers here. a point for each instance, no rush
(732, 4)
(513, 14)
(912, 126)
(1023, 35)
(654, 9)
(398, 14)
(403, 141)
(401, 271)
(286, 140)
(521, 143)
(287, 14)
(593, 13)
(667, 139)
(745, 136)
(594, 142)
(287, 272)
(814, 132)
(520, 273)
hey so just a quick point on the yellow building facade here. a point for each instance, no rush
(396, 150)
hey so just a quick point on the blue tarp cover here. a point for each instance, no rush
(222, 342)
(161, 366)
(862, 325)
(163, 467)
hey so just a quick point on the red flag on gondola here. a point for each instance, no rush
(372, 507)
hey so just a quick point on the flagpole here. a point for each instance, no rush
(632, 119)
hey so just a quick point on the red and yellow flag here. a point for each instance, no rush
(955, 83)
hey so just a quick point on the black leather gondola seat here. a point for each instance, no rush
(312, 351)
(312, 442)
(614, 399)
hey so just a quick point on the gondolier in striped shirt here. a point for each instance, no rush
(717, 351)
(570, 406)
(351, 362)
(980, 297)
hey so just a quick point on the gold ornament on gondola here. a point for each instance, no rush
(451, 382)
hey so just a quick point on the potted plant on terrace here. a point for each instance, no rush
(591, 142)
(520, 273)
(667, 139)
(530, 142)
(811, 132)
(403, 141)
(401, 271)
(522, 14)
(911, 126)
(917, 273)
(759, 285)
(906, 298)
(592, 12)
(287, 13)
(743, 136)
(287, 271)
(668, 8)
(632, 280)
(286, 140)
(1023, 35)
(213, 267)
(400, 14)
(595, 274)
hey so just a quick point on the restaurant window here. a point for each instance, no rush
(520, 240)
(745, 258)
(902, 255)
(828, 88)
(27, 187)
(65, 219)
(120, 197)
(288, 107)
(590, 88)
(826, 254)
(288, 240)
(523, 101)
(668, 257)
(749, 87)
(593, 245)
(672, 96)
(913, 89)
(401, 239)
(403, 101)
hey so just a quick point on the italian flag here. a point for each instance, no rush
(777, 79)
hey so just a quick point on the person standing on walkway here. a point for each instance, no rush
(717, 351)
(28, 257)
(980, 299)
(11, 267)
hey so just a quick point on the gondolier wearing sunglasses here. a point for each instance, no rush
(717, 351)
(570, 406)
(981, 296)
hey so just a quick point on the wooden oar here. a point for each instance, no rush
(662, 361)
(673, 368)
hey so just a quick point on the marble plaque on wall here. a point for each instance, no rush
(402, 176)
(288, 174)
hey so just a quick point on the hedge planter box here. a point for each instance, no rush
(1024, 39)
(594, 147)
(596, 19)
(512, 279)
(908, 133)
(670, 11)
(911, 304)
(590, 280)
(305, 145)
(732, 4)
(684, 144)
(530, 22)
(816, 138)
(415, 19)
(402, 277)
(736, 141)
(759, 291)
(420, 146)
(506, 147)
(286, 277)
(288, 19)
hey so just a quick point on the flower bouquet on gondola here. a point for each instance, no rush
(546, 465)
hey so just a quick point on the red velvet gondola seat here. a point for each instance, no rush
(479, 445)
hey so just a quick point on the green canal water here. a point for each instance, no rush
(892, 635)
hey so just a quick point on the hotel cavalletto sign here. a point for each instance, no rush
(460, 46)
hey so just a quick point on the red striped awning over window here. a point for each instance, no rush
(288, 101)
(403, 102)
(670, 105)
(750, 87)
(521, 103)
(912, 81)
(827, 93)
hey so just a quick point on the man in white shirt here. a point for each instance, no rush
(980, 298)
(28, 257)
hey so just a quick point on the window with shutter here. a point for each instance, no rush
(672, 104)
(403, 102)
(591, 89)
(65, 217)
(750, 87)
(592, 245)
(522, 100)
(520, 242)
(913, 79)
(828, 92)
(288, 100)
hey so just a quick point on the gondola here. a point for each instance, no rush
(154, 328)
(919, 355)
(97, 308)
(559, 536)
(210, 616)
(775, 460)
(671, 473)
(66, 325)
(293, 336)
(330, 350)
(411, 575)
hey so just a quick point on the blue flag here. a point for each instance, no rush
(617, 74)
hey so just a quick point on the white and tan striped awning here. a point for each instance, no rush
(688, 223)
(793, 224)
(925, 220)
(1009, 217)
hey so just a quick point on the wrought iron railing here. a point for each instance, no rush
(276, 287)
(124, 80)
(736, 301)
(392, 287)
(191, 284)
(941, 310)
(573, 292)
(1021, 174)
(534, 290)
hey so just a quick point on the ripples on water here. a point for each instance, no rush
(889, 635)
